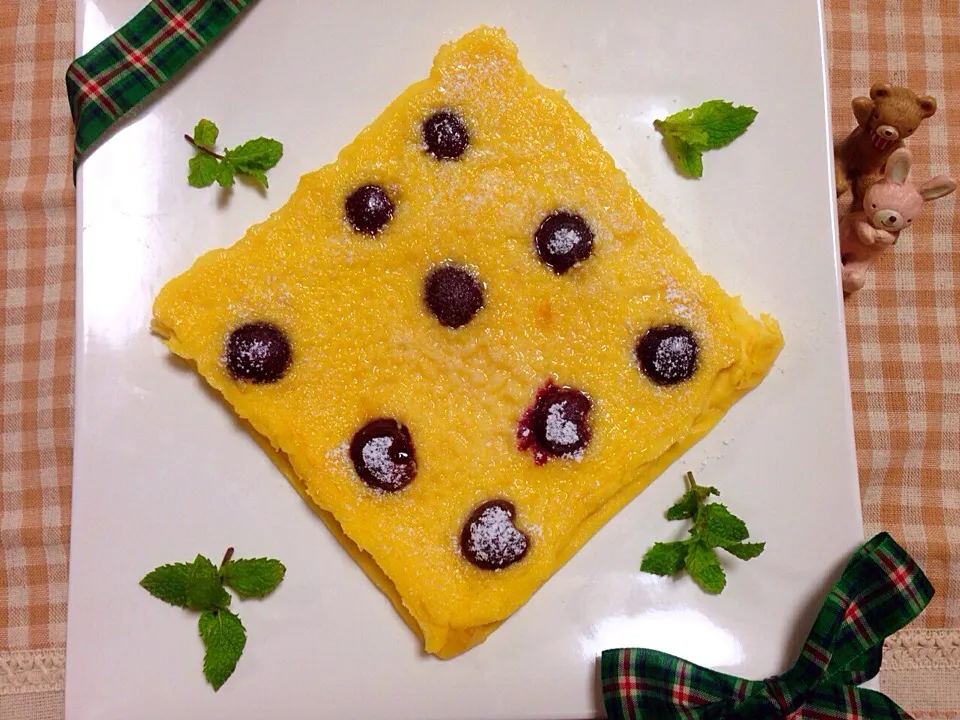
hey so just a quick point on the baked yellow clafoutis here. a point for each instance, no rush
(468, 341)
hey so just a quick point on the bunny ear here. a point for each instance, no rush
(898, 166)
(937, 187)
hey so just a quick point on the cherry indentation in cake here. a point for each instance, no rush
(383, 455)
(453, 295)
(369, 208)
(668, 354)
(258, 353)
(445, 135)
(556, 424)
(562, 240)
(490, 538)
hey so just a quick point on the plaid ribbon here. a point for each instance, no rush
(131, 64)
(880, 591)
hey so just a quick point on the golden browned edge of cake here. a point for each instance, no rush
(762, 342)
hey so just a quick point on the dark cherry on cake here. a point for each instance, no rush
(556, 424)
(368, 209)
(562, 240)
(452, 294)
(490, 538)
(668, 354)
(257, 352)
(383, 455)
(445, 136)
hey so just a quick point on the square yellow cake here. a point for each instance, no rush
(468, 342)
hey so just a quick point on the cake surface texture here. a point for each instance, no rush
(468, 342)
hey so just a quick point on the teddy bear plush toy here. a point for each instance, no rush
(889, 207)
(884, 120)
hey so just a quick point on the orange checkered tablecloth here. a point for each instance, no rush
(903, 332)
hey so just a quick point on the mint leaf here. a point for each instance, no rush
(205, 133)
(703, 491)
(259, 154)
(692, 136)
(686, 158)
(204, 589)
(722, 525)
(260, 177)
(686, 506)
(224, 638)
(683, 508)
(199, 586)
(252, 158)
(225, 174)
(744, 551)
(253, 578)
(168, 583)
(203, 170)
(709, 126)
(665, 558)
(713, 526)
(704, 567)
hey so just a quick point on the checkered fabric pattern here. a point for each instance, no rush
(37, 245)
(880, 591)
(903, 328)
(127, 67)
(902, 333)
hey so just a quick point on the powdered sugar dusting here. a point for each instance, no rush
(560, 430)
(674, 355)
(683, 306)
(493, 539)
(339, 455)
(255, 352)
(470, 75)
(563, 241)
(376, 456)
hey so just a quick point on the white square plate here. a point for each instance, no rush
(162, 470)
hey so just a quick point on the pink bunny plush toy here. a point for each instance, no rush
(889, 206)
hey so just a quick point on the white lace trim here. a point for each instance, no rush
(24, 671)
(921, 648)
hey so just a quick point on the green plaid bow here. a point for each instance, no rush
(880, 591)
(137, 59)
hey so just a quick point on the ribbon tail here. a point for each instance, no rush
(134, 62)
(641, 684)
(852, 702)
(863, 668)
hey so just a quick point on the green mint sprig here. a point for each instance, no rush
(714, 526)
(199, 585)
(712, 125)
(253, 158)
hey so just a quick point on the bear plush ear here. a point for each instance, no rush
(937, 187)
(862, 107)
(928, 105)
(898, 166)
(880, 90)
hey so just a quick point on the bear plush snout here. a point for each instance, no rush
(887, 132)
